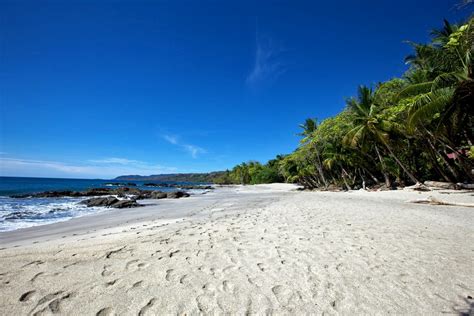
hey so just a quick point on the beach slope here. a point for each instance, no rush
(249, 250)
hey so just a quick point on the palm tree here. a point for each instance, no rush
(437, 107)
(369, 127)
(309, 128)
(431, 97)
(441, 36)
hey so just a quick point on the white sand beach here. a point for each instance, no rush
(265, 249)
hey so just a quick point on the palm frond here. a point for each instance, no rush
(415, 89)
(428, 105)
(447, 80)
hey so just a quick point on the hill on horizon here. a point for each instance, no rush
(176, 177)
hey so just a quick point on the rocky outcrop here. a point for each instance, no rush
(126, 204)
(110, 201)
(100, 201)
(105, 196)
(158, 195)
(176, 194)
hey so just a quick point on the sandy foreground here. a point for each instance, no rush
(264, 249)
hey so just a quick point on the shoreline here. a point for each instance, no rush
(255, 249)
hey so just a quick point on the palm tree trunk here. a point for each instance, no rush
(433, 153)
(362, 178)
(315, 181)
(384, 171)
(320, 169)
(442, 156)
(371, 175)
(343, 174)
(408, 173)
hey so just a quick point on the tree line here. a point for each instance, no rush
(403, 131)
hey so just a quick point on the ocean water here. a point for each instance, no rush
(18, 213)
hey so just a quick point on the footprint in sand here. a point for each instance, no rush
(33, 279)
(36, 262)
(147, 307)
(110, 283)
(107, 311)
(209, 287)
(48, 297)
(106, 271)
(184, 279)
(228, 287)
(54, 305)
(27, 296)
(206, 303)
(170, 275)
(137, 284)
(127, 266)
(282, 294)
(70, 265)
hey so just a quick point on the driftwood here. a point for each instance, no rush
(434, 201)
(418, 187)
(468, 186)
(440, 185)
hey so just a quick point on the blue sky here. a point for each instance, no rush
(104, 88)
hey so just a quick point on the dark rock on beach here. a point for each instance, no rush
(100, 201)
(105, 197)
(110, 201)
(176, 195)
(158, 195)
(126, 204)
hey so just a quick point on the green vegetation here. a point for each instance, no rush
(175, 177)
(252, 173)
(402, 131)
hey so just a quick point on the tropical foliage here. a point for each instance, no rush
(398, 132)
(252, 173)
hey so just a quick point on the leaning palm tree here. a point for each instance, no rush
(441, 108)
(435, 96)
(370, 127)
(309, 127)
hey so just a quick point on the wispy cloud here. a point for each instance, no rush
(193, 150)
(171, 139)
(100, 168)
(268, 64)
(119, 161)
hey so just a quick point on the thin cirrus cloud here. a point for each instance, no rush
(119, 161)
(101, 168)
(193, 150)
(268, 64)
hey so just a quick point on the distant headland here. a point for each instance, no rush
(174, 177)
